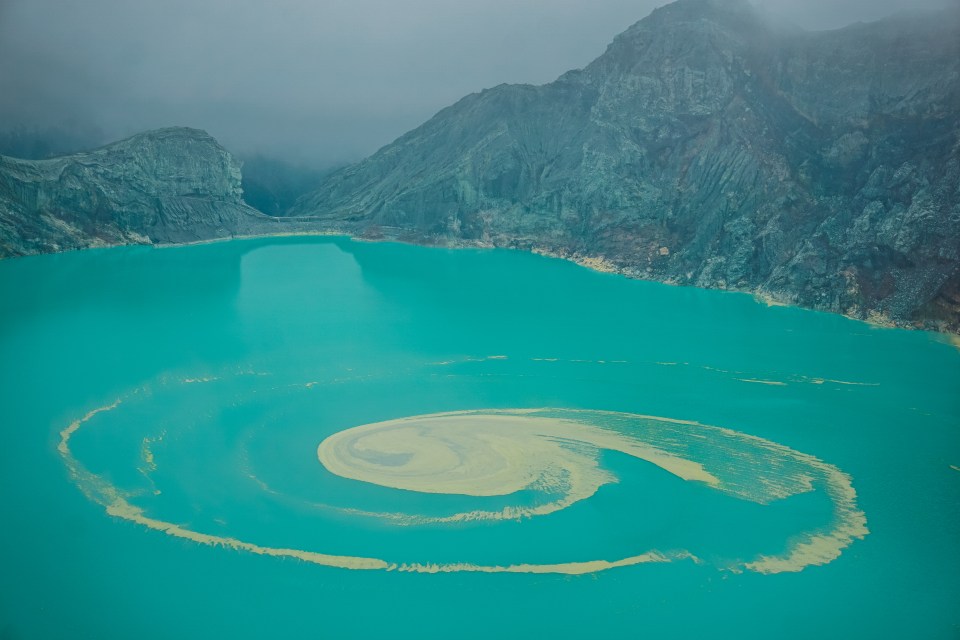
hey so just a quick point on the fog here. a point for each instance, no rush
(319, 82)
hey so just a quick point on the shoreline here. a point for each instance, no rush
(874, 319)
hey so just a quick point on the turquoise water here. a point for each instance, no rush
(233, 362)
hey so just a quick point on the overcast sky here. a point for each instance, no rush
(317, 81)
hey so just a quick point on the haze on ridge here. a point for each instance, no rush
(317, 82)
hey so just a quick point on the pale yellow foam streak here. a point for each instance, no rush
(72, 428)
(796, 378)
(822, 547)
(773, 383)
(120, 508)
(146, 453)
(570, 568)
(580, 361)
(844, 382)
(149, 461)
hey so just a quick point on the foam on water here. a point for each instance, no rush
(549, 451)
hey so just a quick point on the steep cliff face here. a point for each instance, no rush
(705, 147)
(170, 185)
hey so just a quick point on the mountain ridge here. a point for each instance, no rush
(163, 186)
(705, 147)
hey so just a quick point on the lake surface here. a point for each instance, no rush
(318, 436)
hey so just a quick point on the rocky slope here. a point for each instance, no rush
(165, 186)
(706, 147)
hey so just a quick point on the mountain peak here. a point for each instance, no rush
(167, 185)
(692, 30)
(736, 13)
(165, 136)
(705, 8)
(706, 146)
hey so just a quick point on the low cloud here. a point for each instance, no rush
(320, 82)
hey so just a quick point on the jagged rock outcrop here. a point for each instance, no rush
(707, 147)
(166, 186)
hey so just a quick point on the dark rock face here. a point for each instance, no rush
(705, 147)
(165, 186)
